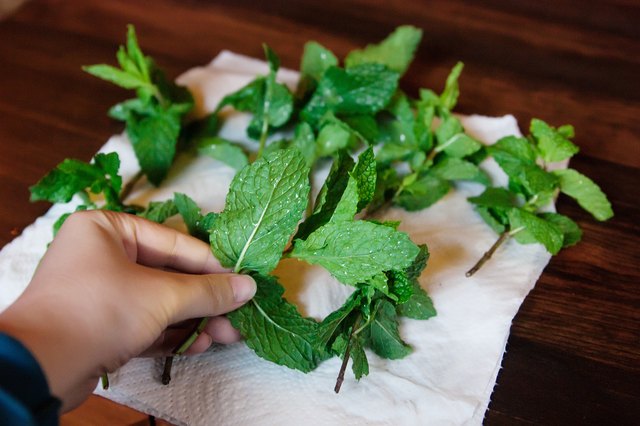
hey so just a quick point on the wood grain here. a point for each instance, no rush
(574, 353)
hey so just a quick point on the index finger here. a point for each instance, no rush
(151, 244)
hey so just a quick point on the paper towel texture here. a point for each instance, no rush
(447, 380)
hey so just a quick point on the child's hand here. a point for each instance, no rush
(109, 288)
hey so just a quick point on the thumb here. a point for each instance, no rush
(196, 296)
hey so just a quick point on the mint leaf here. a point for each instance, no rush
(365, 176)
(305, 141)
(459, 145)
(159, 211)
(360, 364)
(422, 193)
(117, 76)
(585, 192)
(383, 335)
(223, 150)
(334, 322)
(348, 205)
(570, 230)
(154, 138)
(419, 263)
(245, 99)
(517, 147)
(396, 51)
(449, 96)
(198, 225)
(451, 168)
(354, 252)
(552, 144)
(494, 197)
(274, 329)
(363, 89)
(419, 306)
(264, 204)
(495, 218)
(72, 177)
(400, 286)
(528, 228)
(316, 59)
(329, 196)
(333, 137)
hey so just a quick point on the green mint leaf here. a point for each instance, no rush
(159, 211)
(567, 131)
(383, 335)
(396, 51)
(365, 175)
(247, 98)
(380, 282)
(73, 176)
(414, 270)
(110, 165)
(223, 150)
(422, 127)
(419, 306)
(316, 59)
(360, 364)
(354, 252)
(494, 197)
(117, 76)
(264, 204)
(517, 147)
(135, 54)
(552, 144)
(333, 137)
(333, 323)
(198, 225)
(274, 328)
(459, 145)
(495, 218)
(387, 183)
(400, 286)
(123, 110)
(363, 125)
(329, 196)
(275, 108)
(363, 89)
(450, 168)
(585, 192)
(449, 96)
(513, 155)
(422, 193)
(305, 141)
(154, 138)
(571, 232)
(397, 129)
(528, 228)
(347, 207)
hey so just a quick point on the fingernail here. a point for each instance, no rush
(244, 287)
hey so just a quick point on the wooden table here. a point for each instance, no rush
(573, 356)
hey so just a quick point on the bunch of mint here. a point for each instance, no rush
(386, 149)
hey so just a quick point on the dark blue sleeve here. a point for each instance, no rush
(24, 393)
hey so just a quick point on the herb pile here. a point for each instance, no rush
(386, 149)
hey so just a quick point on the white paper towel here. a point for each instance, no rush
(447, 380)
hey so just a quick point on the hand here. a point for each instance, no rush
(109, 288)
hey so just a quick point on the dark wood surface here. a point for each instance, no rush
(574, 352)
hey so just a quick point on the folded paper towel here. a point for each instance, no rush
(447, 380)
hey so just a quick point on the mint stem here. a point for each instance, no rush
(166, 372)
(182, 348)
(487, 255)
(105, 381)
(347, 352)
